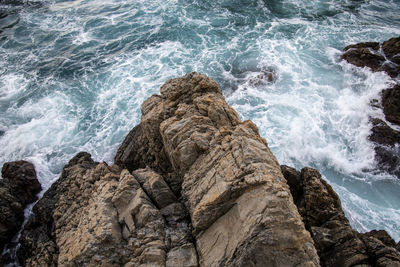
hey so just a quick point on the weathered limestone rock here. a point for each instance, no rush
(99, 215)
(228, 179)
(18, 188)
(336, 242)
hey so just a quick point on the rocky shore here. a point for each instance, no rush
(386, 136)
(193, 185)
(18, 188)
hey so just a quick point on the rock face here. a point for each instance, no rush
(18, 188)
(100, 215)
(192, 185)
(221, 168)
(382, 57)
(336, 242)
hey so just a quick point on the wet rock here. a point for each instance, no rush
(378, 57)
(391, 48)
(264, 77)
(18, 188)
(383, 133)
(382, 57)
(391, 104)
(336, 242)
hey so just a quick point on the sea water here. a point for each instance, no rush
(73, 75)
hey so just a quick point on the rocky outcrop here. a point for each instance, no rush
(100, 215)
(18, 188)
(378, 57)
(382, 57)
(222, 168)
(336, 242)
(192, 185)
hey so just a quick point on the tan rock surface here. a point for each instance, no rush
(228, 178)
(98, 215)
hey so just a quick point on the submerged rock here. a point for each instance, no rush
(18, 188)
(336, 242)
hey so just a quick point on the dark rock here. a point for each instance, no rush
(364, 55)
(336, 242)
(293, 178)
(383, 134)
(381, 235)
(385, 57)
(387, 153)
(18, 188)
(370, 55)
(22, 180)
(391, 104)
(391, 48)
(11, 215)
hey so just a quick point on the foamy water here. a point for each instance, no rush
(73, 75)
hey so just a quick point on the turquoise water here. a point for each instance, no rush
(74, 73)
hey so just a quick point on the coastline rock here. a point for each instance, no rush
(192, 186)
(391, 104)
(100, 215)
(22, 180)
(223, 168)
(336, 242)
(378, 57)
(18, 188)
(382, 57)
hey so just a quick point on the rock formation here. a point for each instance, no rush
(191, 185)
(336, 242)
(382, 57)
(18, 188)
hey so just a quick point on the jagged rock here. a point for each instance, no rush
(193, 185)
(100, 215)
(382, 57)
(377, 57)
(391, 49)
(18, 188)
(336, 242)
(383, 133)
(22, 180)
(391, 104)
(227, 177)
